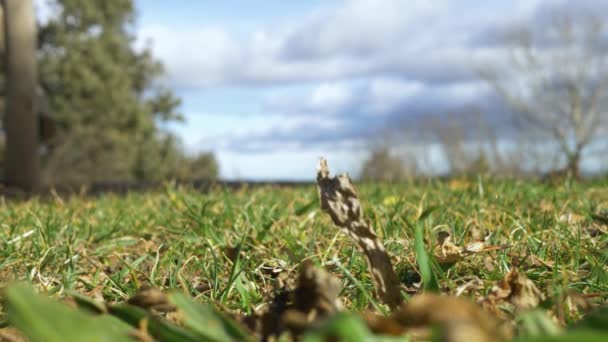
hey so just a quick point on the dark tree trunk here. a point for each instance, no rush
(574, 165)
(22, 167)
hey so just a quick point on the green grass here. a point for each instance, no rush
(108, 247)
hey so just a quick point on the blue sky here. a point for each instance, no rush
(271, 85)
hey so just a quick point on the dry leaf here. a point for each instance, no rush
(571, 218)
(151, 298)
(461, 319)
(546, 206)
(295, 309)
(517, 289)
(10, 334)
(383, 325)
(450, 253)
(458, 184)
(488, 263)
(339, 198)
(317, 291)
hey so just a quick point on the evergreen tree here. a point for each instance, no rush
(104, 96)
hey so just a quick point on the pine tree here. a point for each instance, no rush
(103, 94)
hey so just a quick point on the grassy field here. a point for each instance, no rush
(228, 248)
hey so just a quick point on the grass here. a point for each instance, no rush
(218, 246)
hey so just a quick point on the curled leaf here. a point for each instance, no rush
(340, 200)
(450, 253)
(517, 289)
(459, 318)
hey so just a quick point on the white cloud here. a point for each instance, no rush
(202, 57)
(333, 77)
(330, 97)
(466, 91)
(357, 27)
(386, 93)
(43, 9)
(354, 38)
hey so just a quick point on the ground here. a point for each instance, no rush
(227, 247)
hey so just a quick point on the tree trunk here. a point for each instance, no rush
(22, 167)
(574, 165)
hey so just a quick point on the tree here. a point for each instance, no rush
(166, 158)
(555, 77)
(382, 166)
(21, 120)
(104, 94)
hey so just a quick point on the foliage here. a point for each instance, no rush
(106, 100)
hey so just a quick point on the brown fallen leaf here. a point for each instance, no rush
(450, 253)
(315, 298)
(317, 290)
(576, 304)
(571, 218)
(546, 206)
(10, 334)
(517, 289)
(151, 298)
(294, 309)
(340, 200)
(459, 184)
(459, 318)
(488, 263)
(383, 325)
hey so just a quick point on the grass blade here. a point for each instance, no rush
(42, 319)
(424, 261)
(206, 321)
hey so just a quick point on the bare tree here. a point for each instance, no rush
(469, 144)
(383, 166)
(554, 75)
(21, 121)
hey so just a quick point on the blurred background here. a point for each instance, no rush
(149, 90)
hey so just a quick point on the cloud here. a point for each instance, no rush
(194, 58)
(350, 115)
(351, 39)
(329, 97)
(540, 16)
(385, 93)
(357, 28)
(342, 74)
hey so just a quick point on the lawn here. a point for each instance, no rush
(242, 250)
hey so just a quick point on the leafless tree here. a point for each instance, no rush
(382, 165)
(554, 76)
(21, 121)
(469, 144)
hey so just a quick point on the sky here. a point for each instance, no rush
(271, 85)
